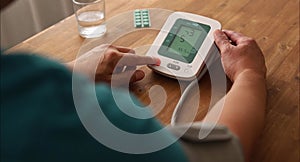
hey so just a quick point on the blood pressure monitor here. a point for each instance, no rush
(184, 45)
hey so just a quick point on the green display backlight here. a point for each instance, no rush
(184, 40)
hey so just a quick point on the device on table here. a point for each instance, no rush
(184, 45)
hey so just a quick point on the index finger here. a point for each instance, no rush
(134, 60)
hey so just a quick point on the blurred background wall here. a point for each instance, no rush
(25, 18)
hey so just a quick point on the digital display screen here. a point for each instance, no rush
(185, 41)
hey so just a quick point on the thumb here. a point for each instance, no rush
(221, 40)
(127, 77)
(137, 75)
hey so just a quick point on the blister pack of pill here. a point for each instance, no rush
(142, 18)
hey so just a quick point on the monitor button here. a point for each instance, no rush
(174, 67)
(186, 70)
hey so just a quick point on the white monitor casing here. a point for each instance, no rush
(186, 71)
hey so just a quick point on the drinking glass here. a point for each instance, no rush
(90, 15)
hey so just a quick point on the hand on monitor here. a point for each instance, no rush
(239, 54)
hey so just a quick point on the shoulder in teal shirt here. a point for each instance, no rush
(39, 121)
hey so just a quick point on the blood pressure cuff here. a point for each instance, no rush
(219, 145)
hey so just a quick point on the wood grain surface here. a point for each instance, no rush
(273, 23)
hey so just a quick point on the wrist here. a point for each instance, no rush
(253, 75)
(252, 81)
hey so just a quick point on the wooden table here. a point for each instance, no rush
(275, 26)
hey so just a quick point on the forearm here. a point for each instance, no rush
(244, 108)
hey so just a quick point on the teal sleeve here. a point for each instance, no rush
(39, 121)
